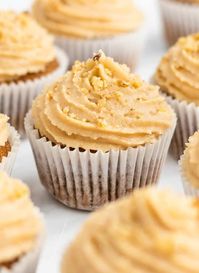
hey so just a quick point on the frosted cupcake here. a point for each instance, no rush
(178, 77)
(9, 144)
(189, 166)
(28, 61)
(84, 27)
(99, 132)
(180, 18)
(150, 231)
(21, 228)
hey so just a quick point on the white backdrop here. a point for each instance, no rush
(63, 223)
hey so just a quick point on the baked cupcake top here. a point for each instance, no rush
(87, 18)
(25, 47)
(188, 1)
(100, 105)
(20, 223)
(146, 232)
(178, 72)
(4, 129)
(190, 161)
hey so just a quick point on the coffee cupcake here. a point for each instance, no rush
(189, 164)
(28, 61)
(84, 27)
(178, 77)
(180, 18)
(99, 132)
(9, 144)
(151, 231)
(21, 228)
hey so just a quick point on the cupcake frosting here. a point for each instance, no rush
(178, 72)
(190, 160)
(4, 129)
(20, 223)
(100, 105)
(25, 47)
(87, 18)
(151, 231)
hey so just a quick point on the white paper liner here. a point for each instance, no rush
(16, 98)
(126, 48)
(187, 124)
(7, 162)
(86, 180)
(28, 263)
(188, 188)
(180, 19)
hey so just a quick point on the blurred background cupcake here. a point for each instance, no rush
(178, 77)
(189, 166)
(180, 18)
(150, 231)
(84, 27)
(21, 228)
(9, 144)
(28, 62)
(99, 132)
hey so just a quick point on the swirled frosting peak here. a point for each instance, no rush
(190, 161)
(151, 231)
(20, 223)
(100, 105)
(178, 72)
(25, 47)
(87, 18)
(4, 129)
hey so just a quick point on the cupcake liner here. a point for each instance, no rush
(28, 263)
(86, 180)
(125, 48)
(188, 188)
(16, 98)
(7, 162)
(180, 19)
(187, 124)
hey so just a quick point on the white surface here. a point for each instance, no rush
(63, 223)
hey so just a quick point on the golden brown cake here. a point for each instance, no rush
(26, 49)
(151, 231)
(5, 146)
(21, 225)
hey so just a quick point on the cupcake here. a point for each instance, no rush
(84, 27)
(28, 61)
(21, 228)
(150, 231)
(9, 144)
(177, 75)
(99, 132)
(180, 18)
(189, 166)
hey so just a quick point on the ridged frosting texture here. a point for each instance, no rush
(151, 231)
(178, 72)
(100, 105)
(25, 47)
(4, 129)
(87, 18)
(20, 223)
(190, 161)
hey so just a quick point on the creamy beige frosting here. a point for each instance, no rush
(20, 223)
(190, 160)
(25, 47)
(100, 105)
(152, 231)
(87, 18)
(178, 72)
(4, 129)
